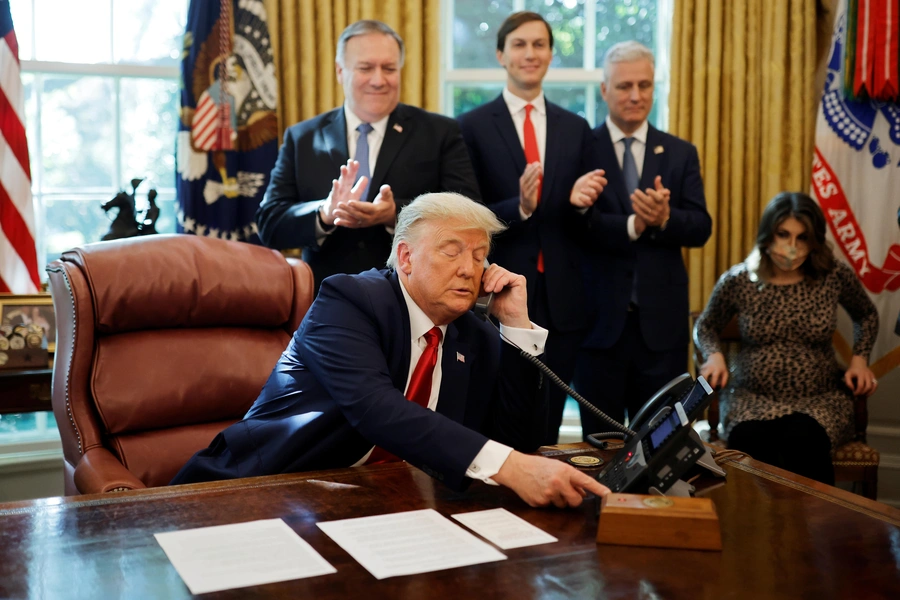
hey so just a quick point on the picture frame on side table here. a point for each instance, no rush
(28, 310)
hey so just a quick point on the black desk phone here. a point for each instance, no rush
(665, 446)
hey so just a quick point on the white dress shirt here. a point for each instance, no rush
(376, 137)
(516, 108)
(492, 456)
(638, 149)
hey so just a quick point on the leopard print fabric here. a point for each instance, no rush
(786, 363)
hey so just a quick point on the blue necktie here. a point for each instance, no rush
(629, 168)
(362, 157)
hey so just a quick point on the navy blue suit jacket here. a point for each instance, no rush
(655, 257)
(421, 152)
(499, 161)
(338, 389)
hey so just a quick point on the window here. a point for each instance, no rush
(101, 96)
(582, 32)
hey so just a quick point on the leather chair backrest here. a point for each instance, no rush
(165, 340)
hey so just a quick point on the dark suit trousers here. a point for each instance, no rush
(560, 353)
(623, 377)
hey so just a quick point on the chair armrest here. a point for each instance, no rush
(99, 472)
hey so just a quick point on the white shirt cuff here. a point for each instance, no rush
(632, 232)
(522, 214)
(488, 461)
(531, 341)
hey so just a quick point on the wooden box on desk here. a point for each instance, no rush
(659, 521)
(25, 358)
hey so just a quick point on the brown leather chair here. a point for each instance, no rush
(855, 462)
(162, 342)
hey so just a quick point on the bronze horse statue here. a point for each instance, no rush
(125, 224)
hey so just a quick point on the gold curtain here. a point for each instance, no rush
(743, 90)
(304, 35)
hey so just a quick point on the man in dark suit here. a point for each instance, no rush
(533, 162)
(652, 207)
(472, 404)
(342, 212)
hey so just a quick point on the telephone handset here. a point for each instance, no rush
(482, 306)
(666, 446)
(669, 394)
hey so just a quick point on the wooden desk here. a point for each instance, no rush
(25, 391)
(783, 537)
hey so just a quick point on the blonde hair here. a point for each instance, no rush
(441, 207)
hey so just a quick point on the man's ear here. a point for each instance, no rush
(339, 72)
(500, 58)
(404, 258)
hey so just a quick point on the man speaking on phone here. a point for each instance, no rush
(393, 365)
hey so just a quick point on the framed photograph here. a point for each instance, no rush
(30, 310)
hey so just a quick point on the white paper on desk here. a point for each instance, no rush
(504, 529)
(211, 559)
(406, 543)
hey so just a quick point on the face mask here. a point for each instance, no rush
(787, 257)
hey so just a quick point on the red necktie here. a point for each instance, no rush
(533, 155)
(419, 389)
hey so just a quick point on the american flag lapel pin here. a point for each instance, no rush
(460, 357)
(397, 128)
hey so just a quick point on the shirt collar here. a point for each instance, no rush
(353, 121)
(516, 104)
(419, 323)
(616, 134)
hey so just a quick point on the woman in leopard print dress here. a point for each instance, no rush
(788, 403)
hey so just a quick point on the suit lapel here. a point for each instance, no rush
(551, 149)
(507, 130)
(455, 369)
(610, 163)
(334, 138)
(651, 159)
(401, 371)
(399, 129)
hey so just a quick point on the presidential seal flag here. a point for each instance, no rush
(228, 136)
(18, 256)
(856, 167)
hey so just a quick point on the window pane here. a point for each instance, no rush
(27, 427)
(72, 221)
(68, 31)
(144, 31)
(149, 125)
(21, 16)
(475, 24)
(621, 20)
(77, 132)
(467, 97)
(571, 97)
(566, 18)
(17, 423)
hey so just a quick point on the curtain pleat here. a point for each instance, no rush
(743, 91)
(305, 37)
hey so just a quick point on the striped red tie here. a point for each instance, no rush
(419, 389)
(532, 155)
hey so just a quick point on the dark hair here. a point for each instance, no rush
(516, 20)
(806, 210)
(365, 27)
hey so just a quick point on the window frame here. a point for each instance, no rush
(588, 76)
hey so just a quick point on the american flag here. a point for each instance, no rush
(18, 257)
